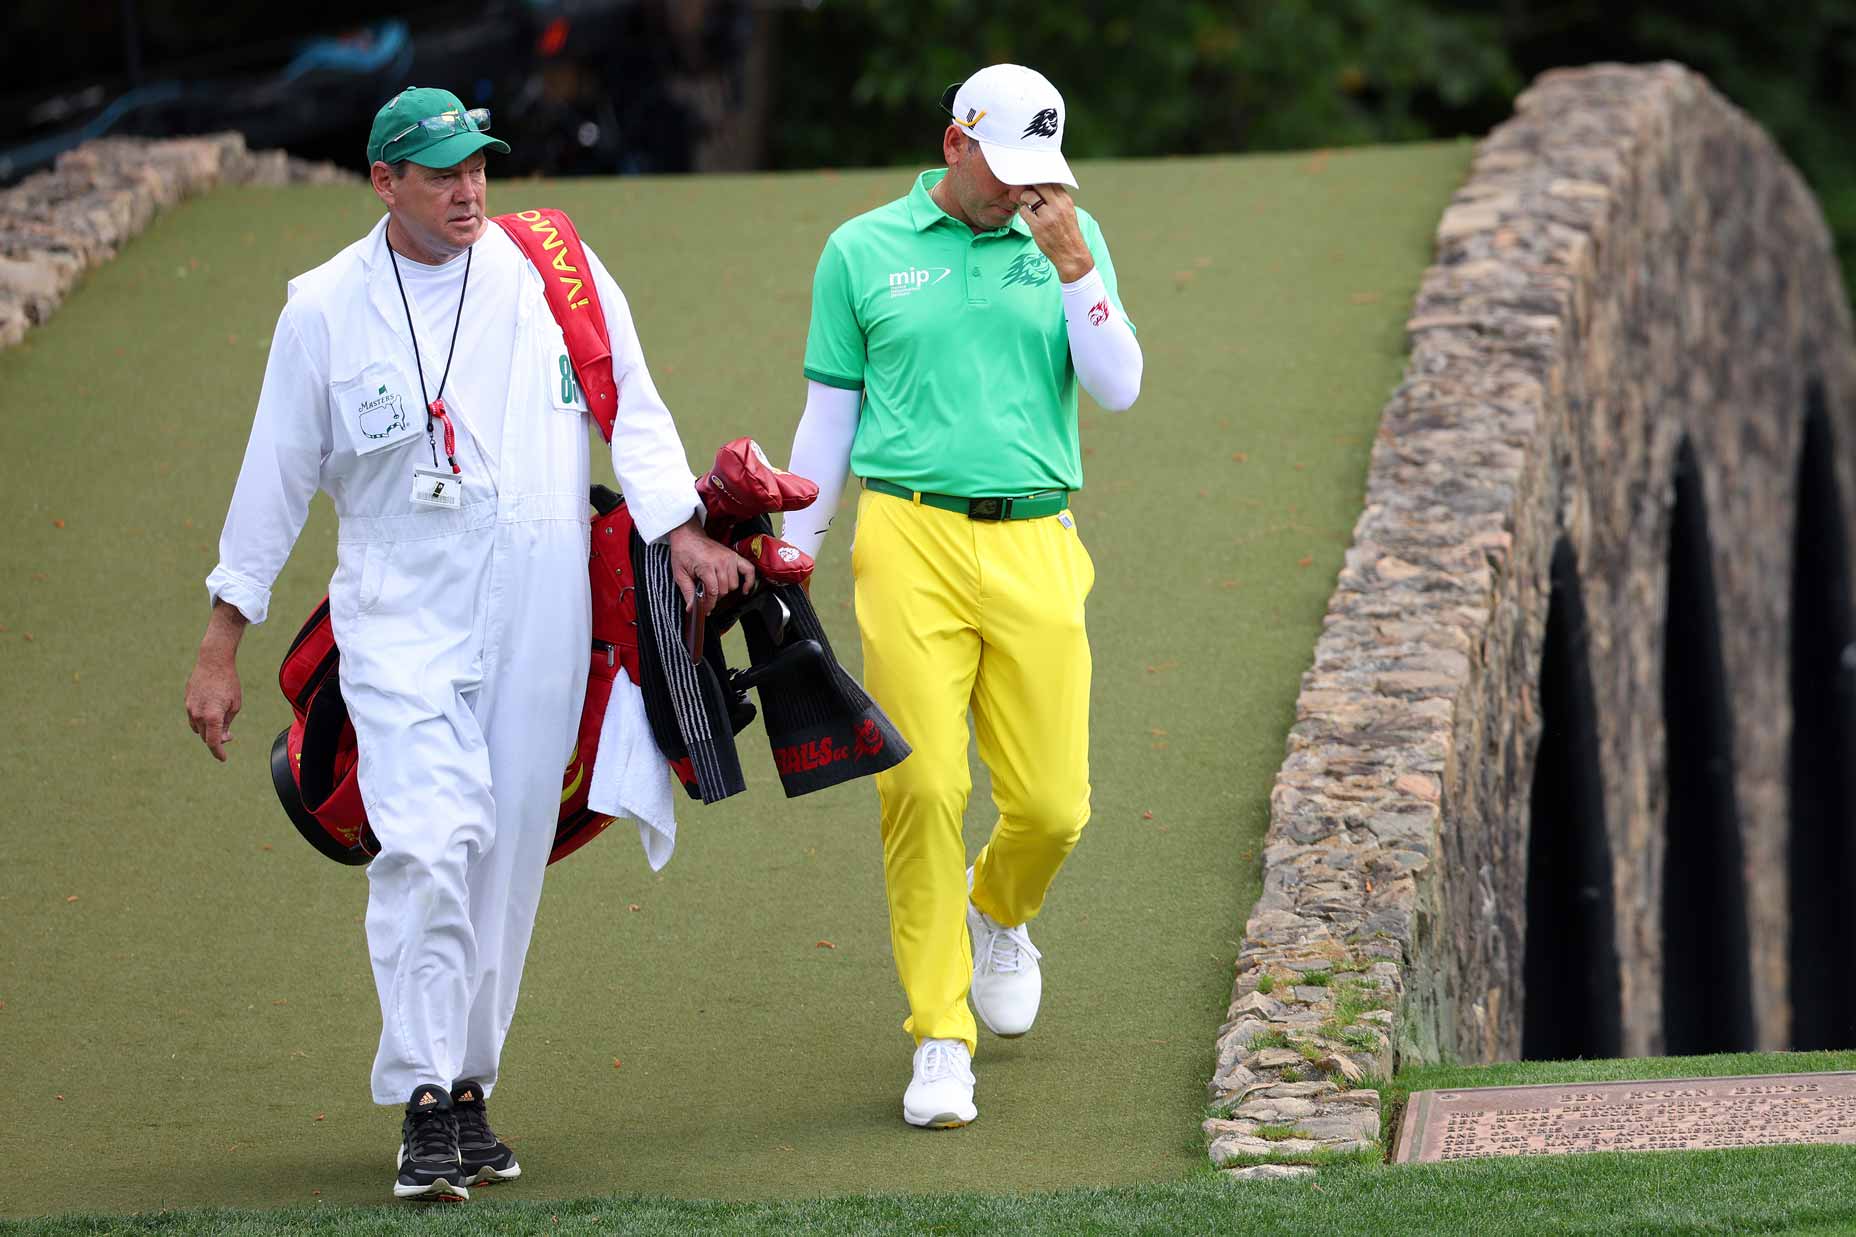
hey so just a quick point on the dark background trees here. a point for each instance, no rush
(667, 85)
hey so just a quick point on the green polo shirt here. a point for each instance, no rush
(959, 344)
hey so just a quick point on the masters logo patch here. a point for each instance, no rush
(382, 415)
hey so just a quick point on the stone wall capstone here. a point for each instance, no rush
(56, 225)
(1631, 266)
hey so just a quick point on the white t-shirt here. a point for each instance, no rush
(477, 390)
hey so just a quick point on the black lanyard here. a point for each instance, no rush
(436, 408)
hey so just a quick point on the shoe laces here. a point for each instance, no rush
(432, 1136)
(1008, 950)
(474, 1125)
(943, 1058)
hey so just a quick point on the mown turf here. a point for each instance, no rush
(185, 1006)
(1759, 1190)
(1753, 1190)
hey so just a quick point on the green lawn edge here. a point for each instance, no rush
(1755, 1190)
(1802, 1189)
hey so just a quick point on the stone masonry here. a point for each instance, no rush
(56, 225)
(1631, 264)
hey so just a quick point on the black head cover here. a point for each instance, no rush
(823, 726)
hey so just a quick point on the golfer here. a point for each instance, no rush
(417, 378)
(949, 332)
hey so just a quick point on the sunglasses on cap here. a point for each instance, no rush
(476, 120)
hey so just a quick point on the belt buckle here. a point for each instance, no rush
(989, 508)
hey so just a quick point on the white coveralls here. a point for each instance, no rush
(464, 633)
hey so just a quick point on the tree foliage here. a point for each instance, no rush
(860, 80)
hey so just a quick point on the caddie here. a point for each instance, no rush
(419, 379)
(950, 330)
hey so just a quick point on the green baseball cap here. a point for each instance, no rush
(431, 127)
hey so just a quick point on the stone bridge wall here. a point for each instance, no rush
(1632, 265)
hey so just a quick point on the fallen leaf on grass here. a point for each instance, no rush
(824, 945)
(28, 637)
(1240, 457)
(1227, 584)
(1159, 666)
(282, 1000)
(634, 907)
(1158, 746)
(1147, 815)
(1305, 561)
(57, 1097)
(1157, 731)
(57, 523)
(321, 1115)
(72, 898)
(615, 1063)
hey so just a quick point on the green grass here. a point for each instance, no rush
(184, 994)
(1755, 1190)
(1277, 1133)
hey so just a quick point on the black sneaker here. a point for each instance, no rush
(487, 1159)
(428, 1162)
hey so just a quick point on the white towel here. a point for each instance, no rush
(631, 778)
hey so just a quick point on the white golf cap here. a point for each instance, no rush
(1017, 115)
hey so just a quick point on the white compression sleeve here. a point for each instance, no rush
(1102, 344)
(822, 454)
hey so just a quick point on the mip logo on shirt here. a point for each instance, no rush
(901, 283)
(1029, 269)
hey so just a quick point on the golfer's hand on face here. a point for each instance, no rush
(695, 558)
(1050, 213)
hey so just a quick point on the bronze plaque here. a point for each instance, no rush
(1675, 1114)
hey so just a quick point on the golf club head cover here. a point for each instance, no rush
(743, 483)
(823, 727)
(776, 561)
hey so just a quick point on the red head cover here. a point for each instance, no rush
(778, 562)
(743, 483)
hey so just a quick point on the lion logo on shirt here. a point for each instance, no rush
(1030, 269)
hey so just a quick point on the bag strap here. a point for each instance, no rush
(549, 239)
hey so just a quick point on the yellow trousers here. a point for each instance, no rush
(960, 614)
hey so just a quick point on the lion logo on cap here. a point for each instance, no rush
(1044, 124)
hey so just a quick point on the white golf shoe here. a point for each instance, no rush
(1007, 983)
(940, 1095)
